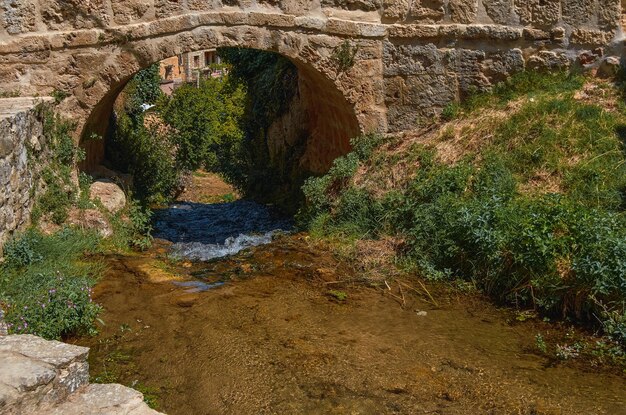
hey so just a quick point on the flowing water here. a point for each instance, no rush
(264, 331)
(202, 232)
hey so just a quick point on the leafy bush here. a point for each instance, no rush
(206, 123)
(45, 286)
(20, 252)
(271, 84)
(64, 155)
(147, 154)
(488, 219)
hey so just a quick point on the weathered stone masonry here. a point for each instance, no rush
(21, 139)
(414, 56)
(39, 377)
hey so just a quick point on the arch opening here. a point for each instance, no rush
(312, 127)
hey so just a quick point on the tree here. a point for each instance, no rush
(205, 122)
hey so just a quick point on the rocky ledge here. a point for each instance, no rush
(40, 377)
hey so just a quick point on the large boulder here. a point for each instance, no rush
(109, 194)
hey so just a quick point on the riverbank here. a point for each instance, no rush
(309, 325)
(286, 334)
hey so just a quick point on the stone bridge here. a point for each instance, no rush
(412, 56)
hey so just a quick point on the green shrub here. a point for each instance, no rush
(344, 55)
(64, 155)
(45, 285)
(486, 218)
(22, 251)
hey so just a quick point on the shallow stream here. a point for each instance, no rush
(264, 331)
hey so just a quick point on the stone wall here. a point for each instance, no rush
(40, 377)
(412, 56)
(21, 137)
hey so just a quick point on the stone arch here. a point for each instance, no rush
(335, 111)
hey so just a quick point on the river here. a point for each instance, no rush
(231, 313)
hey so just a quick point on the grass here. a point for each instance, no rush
(46, 280)
(521, 192)
(45, 283)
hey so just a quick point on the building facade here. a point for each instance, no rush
(189, 67)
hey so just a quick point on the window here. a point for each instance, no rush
(196, 61)
(208, 58)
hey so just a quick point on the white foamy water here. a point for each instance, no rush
(198, 251)
(202, 232)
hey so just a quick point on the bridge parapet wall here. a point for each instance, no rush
(413, 56)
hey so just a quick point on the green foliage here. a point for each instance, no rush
(139, 226)
(20, 252)
(141, 148)
(150, 395)
(451, 111)
(527, 84)
(220, 125)
(206, 124)
(45, 286)
(344, 55)
(487, 219)
(146, 153)
(59, 96)
(144, 88)
(197, 127)
(354, 210)
(338, 295)
(541, 344)
(271, 83)
(64, 155)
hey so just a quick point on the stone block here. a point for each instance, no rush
(75, 14)
(309, 22)
(548, 61)
(298, 7)
(500, 11)
(53, 352)
(536, 34)
(395, 10)
(469, 70)
(609, 67)
(409, 100)
(22, 373)
(609, 15)
(104, 399)
(427, 11)
(342, 27)
(18, 16)
(128, 11)
(492, 32)
(8, 395)
(412, 59)
(463, 11)
(501, 65)
(538, 13)
(203, 5)
(576, 12)
(167, 8)
(413, 31)
(271, 19)
(590, 38)
(364, 5)
(110, 195)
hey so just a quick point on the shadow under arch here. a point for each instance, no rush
(319, 109)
